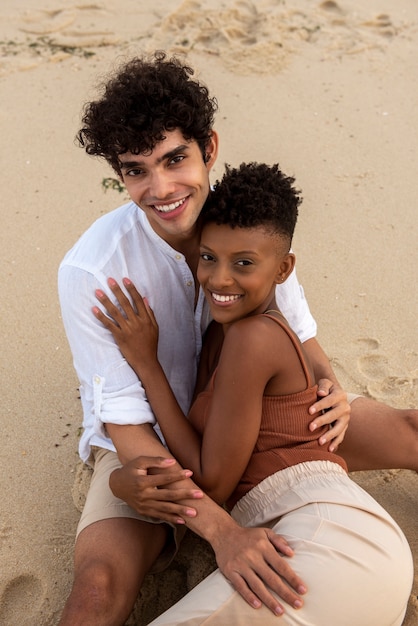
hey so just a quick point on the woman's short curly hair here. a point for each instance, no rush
(146, 98)
(254, 195)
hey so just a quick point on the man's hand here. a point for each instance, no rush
(255, 560)
(334, 410)
(144, 484)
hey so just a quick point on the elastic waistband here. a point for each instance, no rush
(293, 487)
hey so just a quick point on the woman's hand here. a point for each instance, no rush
(151, 486)
(332, 409)
(135, 328)
(255, 561)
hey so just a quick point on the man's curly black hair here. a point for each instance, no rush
(254, 195)
(146, 98)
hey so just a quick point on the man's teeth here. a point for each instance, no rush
(220, 298)
(166, 208)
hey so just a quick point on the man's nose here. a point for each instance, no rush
(161, 185)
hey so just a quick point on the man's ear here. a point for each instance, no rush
(286, 267)
(211, 150)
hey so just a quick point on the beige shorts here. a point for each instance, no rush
(352, 396)
(101, 504)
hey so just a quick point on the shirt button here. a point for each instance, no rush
(189, 283)
(178, 257)
(97, 380)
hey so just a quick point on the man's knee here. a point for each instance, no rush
(99, 595)
(97, 581)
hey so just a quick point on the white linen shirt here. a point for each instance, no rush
(123, 243)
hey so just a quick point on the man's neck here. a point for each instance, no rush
(188, 245)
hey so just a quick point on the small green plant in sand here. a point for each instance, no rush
(113, 183)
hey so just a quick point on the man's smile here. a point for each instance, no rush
(168, 208)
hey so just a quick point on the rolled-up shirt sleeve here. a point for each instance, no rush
(110, 390)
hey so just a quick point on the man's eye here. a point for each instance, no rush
(244, 262)
(177, 159)
(134, 172)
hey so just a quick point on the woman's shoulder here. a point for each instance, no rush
(254, 331)
(257, 323)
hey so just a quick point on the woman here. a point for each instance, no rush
(247, 438)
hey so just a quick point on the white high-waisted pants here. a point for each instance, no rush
(352, 556)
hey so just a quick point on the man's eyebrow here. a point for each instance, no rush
(165, 157)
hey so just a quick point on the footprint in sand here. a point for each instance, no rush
(385, 386)
(25, 591)
(374, 376)
(373, 366)
(395, 389)
(68, 27)
(261, 37)
(53, 35)
(44, 22)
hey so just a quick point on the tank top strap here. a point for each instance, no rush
(296, 343)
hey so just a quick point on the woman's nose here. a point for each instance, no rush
(221, 276)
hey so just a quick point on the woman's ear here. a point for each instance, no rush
(211, 150)
(286, 267)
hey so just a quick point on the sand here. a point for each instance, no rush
(327, 89)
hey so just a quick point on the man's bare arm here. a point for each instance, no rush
(332, 408)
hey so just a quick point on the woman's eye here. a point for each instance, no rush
(206, 257)
(244, 262)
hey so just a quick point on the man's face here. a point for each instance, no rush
(170, 184)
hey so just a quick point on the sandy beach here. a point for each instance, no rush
(327, 89)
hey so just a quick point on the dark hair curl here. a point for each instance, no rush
(254, 195)
(146, 98)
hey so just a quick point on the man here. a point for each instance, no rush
(154, 126)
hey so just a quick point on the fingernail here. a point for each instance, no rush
(126, 281)
(198, 494)
(298, 604)
(322, 440)
(191, 512)
(331, 448)
(180, 521)
(188, 473)
(302, 589)
(169, 461)
(99, 293)
(256, 604)
(278, 610)
(111, 282)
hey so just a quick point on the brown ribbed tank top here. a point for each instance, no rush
(284, 438)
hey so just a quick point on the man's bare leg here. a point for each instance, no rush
(380, 437)
(111, 559)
